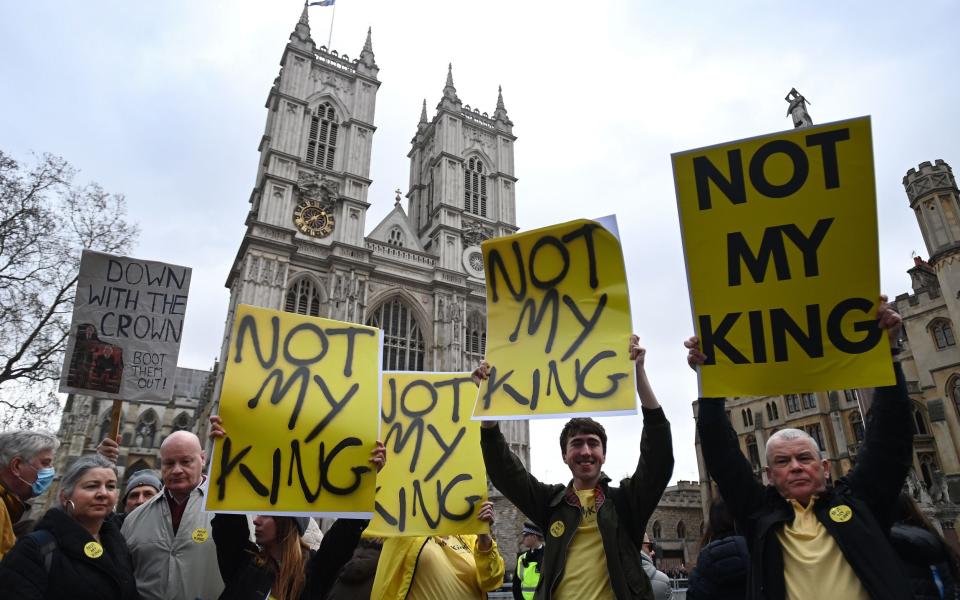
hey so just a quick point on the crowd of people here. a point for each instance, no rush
(802, 536)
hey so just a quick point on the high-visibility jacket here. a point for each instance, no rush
(528, 572)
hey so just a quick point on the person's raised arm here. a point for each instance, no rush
(725, 463)
(887, 452)
(638, 355)
(655, 465)
(486, 554)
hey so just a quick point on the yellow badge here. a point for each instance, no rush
(841, 513)
(93, 550)
(199, 535)
(557, 528)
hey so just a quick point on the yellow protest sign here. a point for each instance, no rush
(434, 481)
(558, 324)
(298, 403)
(780, 241)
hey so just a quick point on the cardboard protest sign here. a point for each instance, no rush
(127, 322)
(558, 324)
(780, 241)
(299, 402)
(434, 481)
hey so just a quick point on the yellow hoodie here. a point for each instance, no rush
(398, 564)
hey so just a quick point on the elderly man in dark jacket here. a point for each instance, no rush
(593, 529)
(809, 539)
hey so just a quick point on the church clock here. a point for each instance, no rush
(313, 219)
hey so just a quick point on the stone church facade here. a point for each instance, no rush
(418, 274)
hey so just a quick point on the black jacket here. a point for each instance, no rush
(355, 580)
(73, 574)
(246, 580)
(622, 512)
(869, 490)
(920, 550)
(721, 571)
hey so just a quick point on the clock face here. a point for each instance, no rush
(312, 219)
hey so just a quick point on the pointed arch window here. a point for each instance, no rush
(681, 530)
(475, 188)
(942, 332)
(953, 389)
(476, 342)
(793, 403)
(182, 422)
(395, 237)
(919, 423)
(403, 347)
(657, 530)
(322, 139)
(104, 431)
(776, 411)
(753, 451)
(303, 298)
(856, 425)
(145, 434)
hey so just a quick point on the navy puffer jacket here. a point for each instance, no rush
(721, 570)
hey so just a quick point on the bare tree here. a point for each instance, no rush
(45, 221)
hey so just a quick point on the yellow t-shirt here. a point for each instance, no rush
(585, 575)
(446, 569)
(813, 565)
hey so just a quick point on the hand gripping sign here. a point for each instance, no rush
(434, 481)
(298, 403)
(558, 324)
(780, 242)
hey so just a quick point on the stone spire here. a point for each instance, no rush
(367, 64)
(423, 113)
(500, 115)
(301, 33)
(450, 99)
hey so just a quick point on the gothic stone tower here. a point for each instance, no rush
(418, 277)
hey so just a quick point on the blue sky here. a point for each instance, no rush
(164, 102)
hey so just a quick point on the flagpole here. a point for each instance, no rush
(332, 17)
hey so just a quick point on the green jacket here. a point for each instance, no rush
(622, 513)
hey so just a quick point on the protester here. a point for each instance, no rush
(74, 551)
(173, 557)
(723, 562)
(659, 581)
(809, 539)
(529, 563)
(141, 486)
(932, 566)
(464, 567)
(26, 470)
(587, 517)
(280, 565)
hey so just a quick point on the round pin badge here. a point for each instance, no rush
(199, 535)
(557, 528)
(841, 513)
(93, 550)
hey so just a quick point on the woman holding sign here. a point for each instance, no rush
(280, 565)
(75, 551)
(442, 566)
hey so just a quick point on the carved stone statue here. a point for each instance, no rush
(798, 109)
(319, 189)
(938, 488)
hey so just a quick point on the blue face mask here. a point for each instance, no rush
(44, 479)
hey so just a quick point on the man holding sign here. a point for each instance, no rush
(593, 529)
(809, 539)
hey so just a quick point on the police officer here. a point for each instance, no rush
(527, 577)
